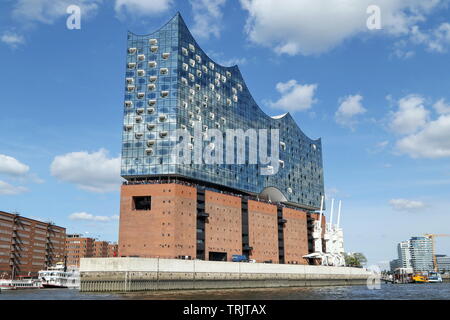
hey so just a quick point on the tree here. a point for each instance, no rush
(356, 259)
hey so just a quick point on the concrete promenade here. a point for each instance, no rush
(148, 274)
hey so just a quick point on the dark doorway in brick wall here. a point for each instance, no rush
(142, 203)
(217, 256)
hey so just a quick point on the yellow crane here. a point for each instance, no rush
(432, 236)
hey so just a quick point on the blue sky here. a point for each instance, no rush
(379, 99)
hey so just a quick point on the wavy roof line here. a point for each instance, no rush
(283, 117)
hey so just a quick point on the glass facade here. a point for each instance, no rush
(443, 263)
(172, 84)
(421, 249)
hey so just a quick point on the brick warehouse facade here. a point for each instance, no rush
(78, 247)
(101, 248)
(193, 222)
(295, 236)
(28, 245)
(166, 228)
(263, 231)
(223, 226)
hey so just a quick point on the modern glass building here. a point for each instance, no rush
(395, 264)
(443, 263)
(404, 254)
(421, 249)
(172, 84)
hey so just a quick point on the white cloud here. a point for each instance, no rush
(379, 147)
(349, 108)
(442, 107)
(93, 172)
(12, 166)
(221, 59)
(406, 205)
(401, 50)
(233, 62)
(12, 39)
(331, 193)
(433, 141)
(207, 17)
(90, 217)
(315, 26)
(48, 11)
(294, 96)
(8, 189)
(421, 137)
(142, 7)
(437, 40)
(382, 144)
(411, 115)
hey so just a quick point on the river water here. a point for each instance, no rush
(386, 292)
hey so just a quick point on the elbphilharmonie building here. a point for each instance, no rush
(235, 205)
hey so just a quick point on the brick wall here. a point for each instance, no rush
(29, 245)
(168, 230)
(295, 236)
(223, 229)
(263, 231)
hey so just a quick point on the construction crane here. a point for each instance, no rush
(432, 236)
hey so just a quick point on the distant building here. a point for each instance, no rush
(404, 254)
(28, 245)
(416, 253)
(101, 249)
(421, 249)
(443, 263)
(113, 250)
(78, 247)
(395, 264)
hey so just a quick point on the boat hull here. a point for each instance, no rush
(52, 286)
(7, 288)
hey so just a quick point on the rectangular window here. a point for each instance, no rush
(142, 203)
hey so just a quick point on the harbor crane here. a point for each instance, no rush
(432, 236)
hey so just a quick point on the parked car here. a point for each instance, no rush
(239, 258)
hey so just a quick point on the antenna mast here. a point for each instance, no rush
(321, 212)
(330, 224)
(339, 213)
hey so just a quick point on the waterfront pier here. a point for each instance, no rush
(149, 274)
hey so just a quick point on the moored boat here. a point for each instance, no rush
(419, 278)
(59, 276)
(434, 277)
(24, 283)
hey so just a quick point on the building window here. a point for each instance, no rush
(142, 203)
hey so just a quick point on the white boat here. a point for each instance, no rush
(60, 276)
(24, 283)
(434, 277)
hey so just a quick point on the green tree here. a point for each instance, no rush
(356, 259)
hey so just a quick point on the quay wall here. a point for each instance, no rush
(148, 274)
